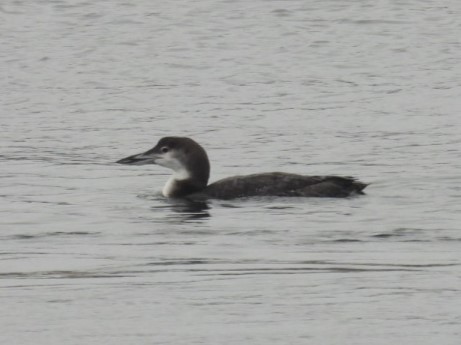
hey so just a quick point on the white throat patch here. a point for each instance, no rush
(169, 187)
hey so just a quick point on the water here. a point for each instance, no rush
(91, 253)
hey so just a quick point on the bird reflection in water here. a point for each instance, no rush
(188, 210)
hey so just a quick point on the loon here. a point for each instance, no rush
(191, 170)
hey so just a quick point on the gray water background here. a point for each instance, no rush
(90, 253)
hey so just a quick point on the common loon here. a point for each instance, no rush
(191, 170)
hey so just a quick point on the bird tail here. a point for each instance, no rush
(358, 187)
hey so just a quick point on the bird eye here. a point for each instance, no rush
(164, 149)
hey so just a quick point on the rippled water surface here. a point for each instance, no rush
(91, 253)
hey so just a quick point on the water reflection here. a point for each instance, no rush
(186, 210)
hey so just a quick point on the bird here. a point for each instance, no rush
(191, 171)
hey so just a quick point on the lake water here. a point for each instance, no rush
(91, 253)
